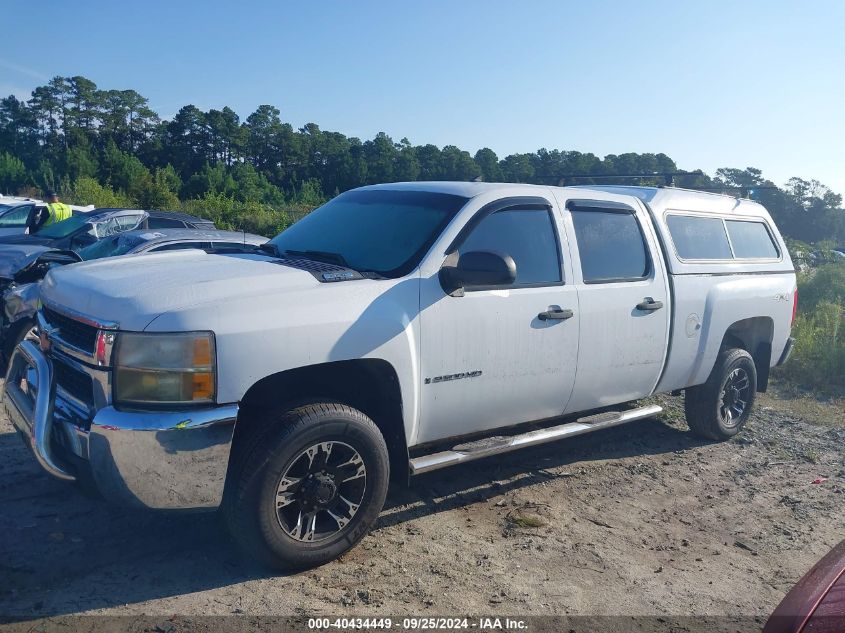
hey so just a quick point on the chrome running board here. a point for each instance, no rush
(504, 444)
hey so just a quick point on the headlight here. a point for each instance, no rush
(153, 369)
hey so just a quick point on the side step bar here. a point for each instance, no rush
(497, 445)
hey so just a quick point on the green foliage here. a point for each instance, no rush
(12, 173)
(124, 171)
(309, 195)
(159, 192)
(80, 163)
(488, 163)
(826, 284)
(87, 190)
(250, 216)
(818, 361)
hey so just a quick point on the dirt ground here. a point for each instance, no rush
(644, 519)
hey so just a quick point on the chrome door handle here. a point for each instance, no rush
(648, 304)
(560, 315)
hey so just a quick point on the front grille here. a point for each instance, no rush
(72, 331)
(74, 381)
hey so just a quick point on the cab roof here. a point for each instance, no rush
(655, 197)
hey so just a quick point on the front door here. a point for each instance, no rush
(623, 297)
(488, 359)
(16, 221)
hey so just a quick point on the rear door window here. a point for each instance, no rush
(697, 237)
(611, 246)
(751, 240)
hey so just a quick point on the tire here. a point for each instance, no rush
(16, 333)
(718, 409)
(300, 460)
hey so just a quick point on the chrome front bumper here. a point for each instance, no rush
(153, 459)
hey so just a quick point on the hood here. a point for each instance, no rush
(16, 257)
(134, 289)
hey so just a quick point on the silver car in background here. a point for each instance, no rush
(23, 266)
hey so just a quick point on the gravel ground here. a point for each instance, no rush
(644, 519)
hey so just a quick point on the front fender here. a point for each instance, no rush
(262, 336)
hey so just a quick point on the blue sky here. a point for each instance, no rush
(711, 84)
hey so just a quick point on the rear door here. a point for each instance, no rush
(623, 299)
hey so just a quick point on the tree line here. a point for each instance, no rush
(110, 148)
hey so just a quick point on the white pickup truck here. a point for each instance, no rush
(398, 328)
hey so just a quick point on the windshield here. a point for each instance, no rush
(111, 246)
(383, 231)
(63, 228)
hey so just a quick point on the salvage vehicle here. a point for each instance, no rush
(18, 217)
(23, 266)
(400, 329)
(81, 230)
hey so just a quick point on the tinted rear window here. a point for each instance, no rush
(751, 240)
(699, 238)
(610, 245)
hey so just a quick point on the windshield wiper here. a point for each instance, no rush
(320, 256)
(267, 247)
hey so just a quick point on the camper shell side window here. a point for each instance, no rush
(698, 237)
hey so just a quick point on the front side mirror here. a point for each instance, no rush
(479, 268)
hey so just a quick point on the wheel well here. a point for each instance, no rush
(369, 385)
(754, 335)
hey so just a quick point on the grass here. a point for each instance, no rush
(812, 455)
(818, 361)
(805, 404)
(521, 520)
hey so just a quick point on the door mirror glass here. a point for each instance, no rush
(479, 268)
